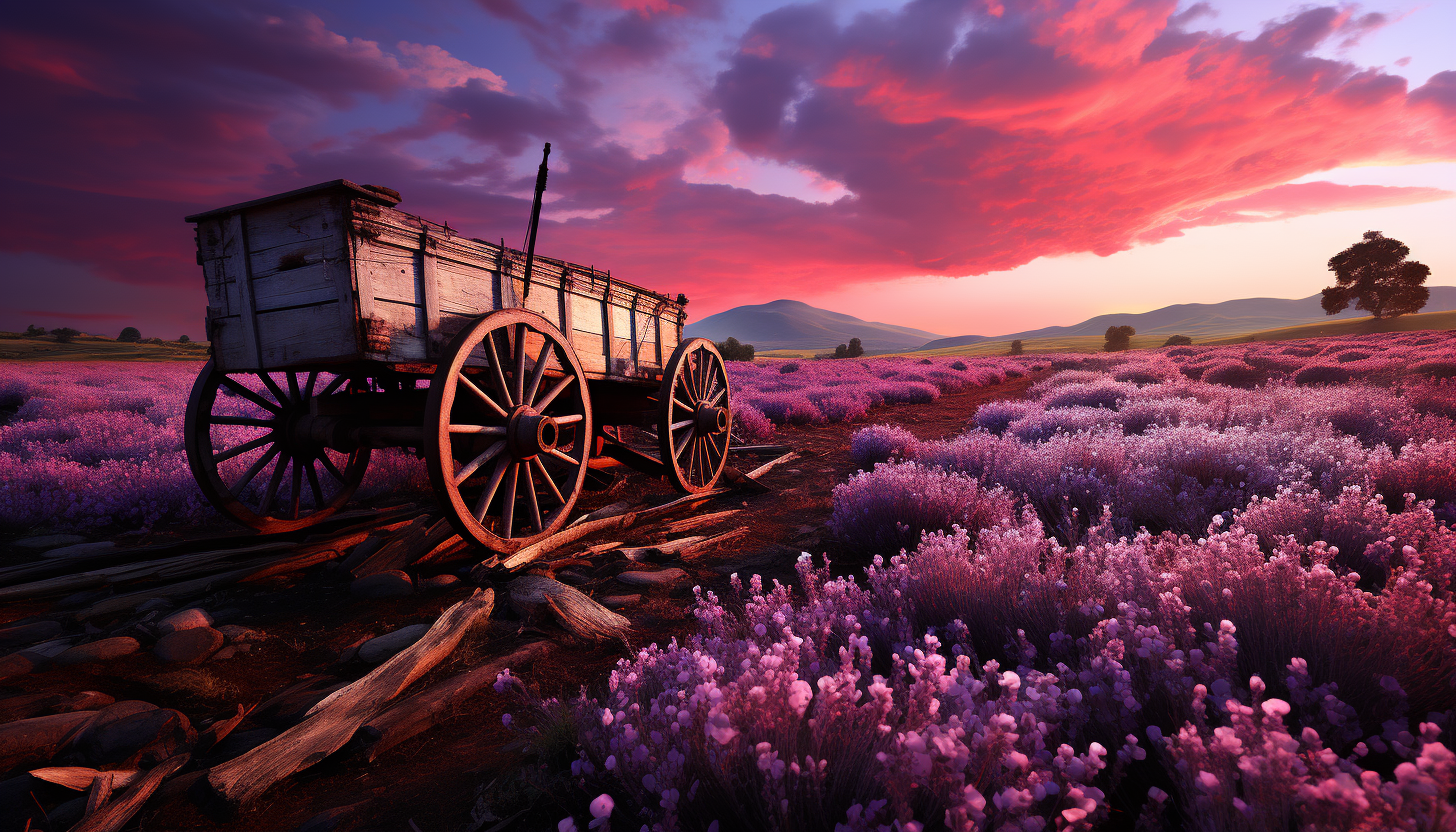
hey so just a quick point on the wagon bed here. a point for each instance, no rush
(334, 273)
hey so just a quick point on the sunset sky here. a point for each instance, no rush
(961, 167)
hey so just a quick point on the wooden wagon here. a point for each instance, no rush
(340, 325)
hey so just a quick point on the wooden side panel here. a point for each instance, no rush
(301, 335)
(236, 344)
(646, 337)
(589, 351)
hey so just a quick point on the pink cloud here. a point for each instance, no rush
(1283, 202)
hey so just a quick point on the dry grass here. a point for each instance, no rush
(201, 685)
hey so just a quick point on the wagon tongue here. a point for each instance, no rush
(535, 219)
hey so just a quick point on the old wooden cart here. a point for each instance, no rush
(340, 325)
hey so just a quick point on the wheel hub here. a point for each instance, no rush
(529, 433)
(710, 420)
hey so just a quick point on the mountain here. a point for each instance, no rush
(1202, 321)
(791, 324)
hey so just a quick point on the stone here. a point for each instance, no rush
(188, 619)
(615, 602)
(289, 706)
(376, 650)
(390, 584)
(237, 632)
(54, 647)
(155, 604)
(225, 653)
(103, 650)
(661, 577)
(139, 740)
(18, 664)
(568, 576)
(49, 541)
(114, 712)
(20, 635)
(188, 646)
(80, 551)
(439, 583)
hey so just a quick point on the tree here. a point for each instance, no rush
(1178, 341)
(65, 334)
(1016, 347)
(183, 339)
(1376, 276)
(841, 351)
(732, 350)
(1119, 338)
(855, 349)
(130, 335)
(34, 331)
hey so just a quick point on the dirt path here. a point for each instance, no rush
(307, 621)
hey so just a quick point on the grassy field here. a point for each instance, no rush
(1354, 326)
(17, 347)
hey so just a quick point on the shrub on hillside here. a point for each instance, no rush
(732, 350)
(129, 335)
(1234, 374)
(887, 509)
(880, 443)
(1323, 374)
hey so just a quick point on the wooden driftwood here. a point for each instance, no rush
(697, 520)
(115, 814)
(770, 465)
(620, 521)
(578, 613)
(332, 723)
(101, 785)
(612, 510)
(418, 713)
(79, 778)
(418, 538)
(683, 548)
(37, 739)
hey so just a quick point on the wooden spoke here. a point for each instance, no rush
(297, 489)
(555, 391)
(568, 419)
(243, 421)
(273, 482)
(480, 394)
(223, 456)
(242, 482)
(238, 388)
(483, 504)
(308, 388)
(483, 430)
(293, 393)
(508, 506)
(474, 465)
(537, 373)
(339, 381)
(273, 388)
(717, 397)
(531, 497)
(676, 426)
(495, 366)
(555, 453)
(331, 467)
(546, 475)
(313, 484)
(679, 403)
(688, 437)
(519, 379)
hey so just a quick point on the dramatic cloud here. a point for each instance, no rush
(969, 137)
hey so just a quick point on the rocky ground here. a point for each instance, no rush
(108, 667)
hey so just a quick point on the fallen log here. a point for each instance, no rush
(579, 614)
(97, 578)
(663, 550)
(620, 521)
(332, 722)
(101, 786)
(37, 739)
(115, 814)
(184, 589)
(419, 537)
(612, 510)
(770, 465)
(418, 713)
(451, 549)
(679, 526)
(759, 449)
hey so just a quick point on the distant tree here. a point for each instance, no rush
(130, 335)
(65, 334)
(1178, 341)
(1016, 347)
(183, 339)
(1376, 276)
(855, 349)
(732, 350)
(1118, 338)
(841, 351)
(34, 331)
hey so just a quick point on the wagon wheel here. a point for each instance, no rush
(694, 416)
(508, 430)
(241, 425)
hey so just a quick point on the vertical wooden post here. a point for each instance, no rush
(245, 293)
(430, 292)
(607, 318)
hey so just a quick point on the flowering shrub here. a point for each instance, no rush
(879, 443)
(888, 508)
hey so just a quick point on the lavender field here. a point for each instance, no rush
(1194, 588)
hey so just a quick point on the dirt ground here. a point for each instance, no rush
(308, 621)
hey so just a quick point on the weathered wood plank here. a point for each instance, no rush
(332, 722)
(309, 333)
(114, 815)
